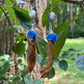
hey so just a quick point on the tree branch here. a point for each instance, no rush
(81, 2)
(6, 17)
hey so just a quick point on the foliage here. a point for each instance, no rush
(63, 65)
(18, 48)
(42, 47)
(78, 28)
(20, 16)
(4, 66)
(61, 32)
(5, 63)
(73, 72)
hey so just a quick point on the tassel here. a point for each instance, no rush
(46, 69)
(31, 52)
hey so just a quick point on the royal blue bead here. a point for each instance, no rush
(31, 34)
(49, 16)
(52, 37)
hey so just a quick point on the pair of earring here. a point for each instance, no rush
(31, 53)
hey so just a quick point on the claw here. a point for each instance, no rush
(42, 76)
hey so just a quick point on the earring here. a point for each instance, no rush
(31, 52)
(51, 37)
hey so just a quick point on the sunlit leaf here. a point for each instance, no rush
(8, 3)
(61, 32)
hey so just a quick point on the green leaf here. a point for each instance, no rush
(2, 18)
(24, 73)
(19, 60)
(45, 20)
(36, 81)
(52, 73)
(38, 59)
(80, 62)
(12, 15)
(1, 12)
(4, 77)
(9, 29)
(15, 79)
(20, 66)
(14, 0)
(43, 62)
(10, 12)
(21, 82)
(21, 36)
(5, 57)
(19, 48)
(15, 27)
(63, 65)
(7, 82)
(42, 47)
(4, 68)
(28, 80)
(56, 61)
(8, 3)
(45, 17)
(23, 17)
(61, 32)
(66, 54)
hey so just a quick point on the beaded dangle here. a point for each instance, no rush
(51, 37)
(31, 35)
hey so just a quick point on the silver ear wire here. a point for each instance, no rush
(50, 28)
(32, 24)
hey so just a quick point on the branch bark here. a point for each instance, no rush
(7, 17)
(81, 2)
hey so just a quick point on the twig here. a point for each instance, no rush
(6, 17)
(81, 2)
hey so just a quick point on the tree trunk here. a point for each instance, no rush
(7, 39)
(71, 16)
(40, 7)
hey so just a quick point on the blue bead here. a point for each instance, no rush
(52, 37)
(49, 16)
(31, 34)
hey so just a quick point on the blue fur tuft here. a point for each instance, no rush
(31, 34)
(52, 37)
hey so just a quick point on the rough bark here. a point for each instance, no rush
(71, 16)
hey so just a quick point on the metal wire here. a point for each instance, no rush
(50, 28)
